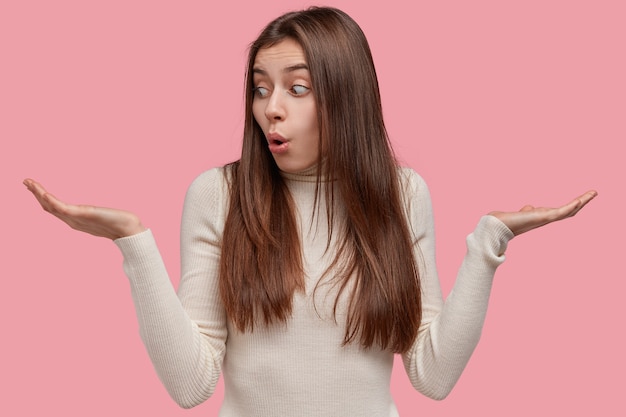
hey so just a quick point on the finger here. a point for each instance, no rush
(83, 218)
(583, 199)
(39, 192)
(48, 201)
(570, 209)
(53, 205)
(33, 186)
(587, 197)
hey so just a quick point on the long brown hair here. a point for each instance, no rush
(261, 263)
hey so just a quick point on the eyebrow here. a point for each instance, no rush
(291, 68)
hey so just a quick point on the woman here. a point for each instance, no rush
(310, 261)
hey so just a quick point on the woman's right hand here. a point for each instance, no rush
(98, 221)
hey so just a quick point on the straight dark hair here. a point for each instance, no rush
(261, 263)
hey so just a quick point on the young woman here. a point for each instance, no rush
(310, 261)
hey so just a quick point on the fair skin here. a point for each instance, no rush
(284, 106)
(285, 109)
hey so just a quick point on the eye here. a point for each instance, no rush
(298, 90)
(261, 91)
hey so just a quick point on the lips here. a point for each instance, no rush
(276, 143)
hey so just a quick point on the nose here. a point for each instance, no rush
(275, 109)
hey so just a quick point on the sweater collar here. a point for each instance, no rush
(307, 175)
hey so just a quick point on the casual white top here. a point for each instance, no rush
(299, 368)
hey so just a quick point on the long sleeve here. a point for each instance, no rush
(184, 333)
(294, 368)
(450, 330)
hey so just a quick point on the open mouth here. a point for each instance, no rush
(277, 144)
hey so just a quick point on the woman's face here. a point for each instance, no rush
(284, 105)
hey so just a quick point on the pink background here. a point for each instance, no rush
(497, 104)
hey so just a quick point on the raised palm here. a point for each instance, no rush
(98, 221)
(529, 217)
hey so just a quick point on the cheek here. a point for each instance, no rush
(313, 123)
(309, 119)
(258, 113)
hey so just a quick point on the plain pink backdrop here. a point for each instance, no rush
(496, 103)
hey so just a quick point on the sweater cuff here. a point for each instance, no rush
(141, 254)
(492, 237)
(136, 244)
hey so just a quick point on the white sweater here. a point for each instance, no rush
(300, 368)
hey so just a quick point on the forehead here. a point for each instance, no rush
(284, 53)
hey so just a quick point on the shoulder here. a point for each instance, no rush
(209, 183)
(209, 190)
(206, 204)
(417, 202)
(411, 183)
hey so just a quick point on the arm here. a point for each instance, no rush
(450, 331)
(185, 337)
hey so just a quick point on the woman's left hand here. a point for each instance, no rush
(529, 217)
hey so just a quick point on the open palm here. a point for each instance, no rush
(98, 221)
(529, 217)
